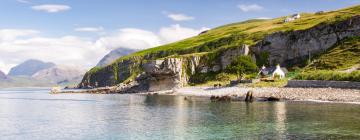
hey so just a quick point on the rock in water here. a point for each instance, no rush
(29, 67)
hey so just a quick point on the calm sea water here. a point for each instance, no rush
(32, 113)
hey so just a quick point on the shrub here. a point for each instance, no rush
(222, 77)
(242, 65)
(329, 76)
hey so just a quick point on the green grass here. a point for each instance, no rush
(342, 56)
(248, 32)
(329, 76)
(276, 83)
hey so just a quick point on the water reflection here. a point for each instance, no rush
(169, 117)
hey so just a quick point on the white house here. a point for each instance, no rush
(289, 19)
(278, 71)
(292, 18)
(273, 71)
(296, 16)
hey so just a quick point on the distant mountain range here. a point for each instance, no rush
(29, 67)
(38, 73)
(60, 74)
(2, 75)
(113, 55)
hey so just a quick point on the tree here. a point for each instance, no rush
(241, 66)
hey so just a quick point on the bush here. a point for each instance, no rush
(242, 65)
(329, 76)
(222, 77)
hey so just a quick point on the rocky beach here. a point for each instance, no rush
(293, 94)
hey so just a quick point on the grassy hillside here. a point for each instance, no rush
(343, 56)
(214, 41)
(248, 32)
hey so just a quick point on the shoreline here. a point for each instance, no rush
(332, 95)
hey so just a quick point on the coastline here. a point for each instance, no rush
(333, 95)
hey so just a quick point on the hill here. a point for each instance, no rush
(113, 55)
(29, 67)
(268, 42)
(2, 75)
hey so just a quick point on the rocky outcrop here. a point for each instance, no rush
(111, 75)
(290, 48)
(164, 74)
(229, 55)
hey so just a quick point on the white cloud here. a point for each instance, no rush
(130, 38)
(250, 8)
(24, 1)
(89, 29)
(51, 8)
(17, 46)
(68, 50)
(176, 32)
(180, 17)
(12, 34)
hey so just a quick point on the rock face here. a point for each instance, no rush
(29, 67)
(60, 74)
(229, 55)
(113, 55)
(296, 47)
(164, 74)
(2, 75)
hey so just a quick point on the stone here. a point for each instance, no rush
(229, 55)
(216, 68)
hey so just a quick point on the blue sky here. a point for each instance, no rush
(88, 29)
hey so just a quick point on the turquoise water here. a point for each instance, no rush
(34, 114)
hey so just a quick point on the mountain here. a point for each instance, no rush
(2, 75)
(60, 75)
(113, 55)
(29, 67)
(201, 58)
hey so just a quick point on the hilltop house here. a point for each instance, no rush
(273, 71)
(292, 18)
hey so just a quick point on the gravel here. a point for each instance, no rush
(298, 94)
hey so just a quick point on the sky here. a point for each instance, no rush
(80, 32)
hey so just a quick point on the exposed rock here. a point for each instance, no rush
(229, 55)
(194, 63)
(164, 74)
(289, 48)
(204, 69)
(216, 68)
(29, 67)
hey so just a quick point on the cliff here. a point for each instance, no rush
(268, 42)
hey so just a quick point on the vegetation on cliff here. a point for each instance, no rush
(211, 44)
(340, 63)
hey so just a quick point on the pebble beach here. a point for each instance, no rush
(295, 94)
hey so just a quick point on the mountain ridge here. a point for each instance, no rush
(29, 67)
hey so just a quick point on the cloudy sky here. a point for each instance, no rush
(81, 32)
